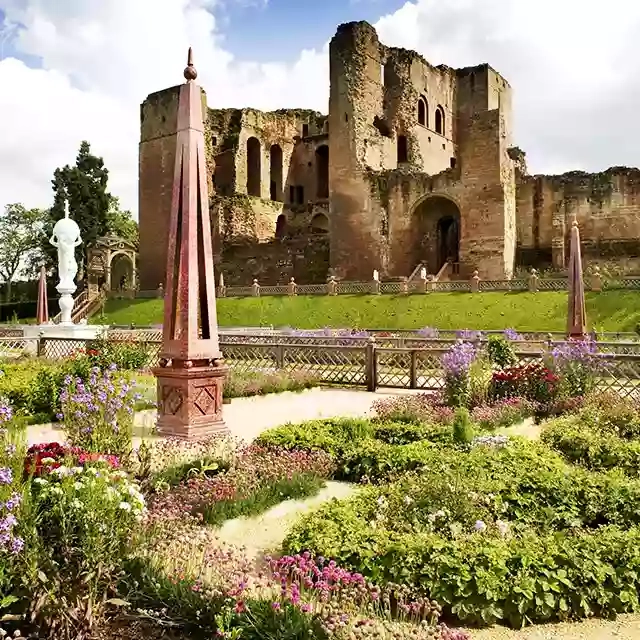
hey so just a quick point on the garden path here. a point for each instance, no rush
(626, 627)
(248, 417)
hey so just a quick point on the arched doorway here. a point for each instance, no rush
(319, 223)
(122, 272)
(254, 167)
(436, 225)
(275, 171)
(322, 172)
(281, 226)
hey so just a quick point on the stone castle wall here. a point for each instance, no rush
(414, 164)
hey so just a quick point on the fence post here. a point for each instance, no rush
(332, 286)
(279, 356)
(596, 280)
(475, 282)
(375, 285)
(40, 345)
(292, 288)
(160, 292)
(533, 281)
(404, 285)
(370, 365)
(413, 375)
(255, 288)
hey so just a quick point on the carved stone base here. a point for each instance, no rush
(190, 402)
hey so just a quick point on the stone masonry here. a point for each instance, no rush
(413, 165)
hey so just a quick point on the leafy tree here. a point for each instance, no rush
(20, 235)
(84, 185)
(121, 223)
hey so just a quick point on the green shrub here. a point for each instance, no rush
(500, 352)
(512, 534)
(252, 383)
(462, 427)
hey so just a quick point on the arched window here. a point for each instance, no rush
(440, 120)
(319, 223)
(322, 171)
(275, 172)
(254, 167)
(281, 226)
(423, 111)
(403, 155)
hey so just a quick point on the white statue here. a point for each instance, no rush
(376, 275)
(423, 273)
(65, 238)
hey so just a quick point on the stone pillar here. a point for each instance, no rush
(222, 290)
(159, 292)
(475, 282)
(404, 285)
(375, 284)
(430, 284)
(423, 280)
(292, 287)
(533, 281)
(191, 372)
(255, 288)
(332, 286)
(596, 280)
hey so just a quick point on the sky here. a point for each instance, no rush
(79, 69)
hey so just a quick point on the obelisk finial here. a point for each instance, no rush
(190, 72)
(66, 209)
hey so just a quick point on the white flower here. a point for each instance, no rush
(382, 501)
(125, 506)
(76, 504)
(439, 514)
(408, 500)
(503, 527)
(40, 481)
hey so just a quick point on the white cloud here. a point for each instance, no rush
(573, 65)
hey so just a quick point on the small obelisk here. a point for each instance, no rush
(576, 312)
(191, 372)
(42, 308)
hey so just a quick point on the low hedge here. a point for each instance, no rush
(594, 450)
(363, 449)
(512, 534)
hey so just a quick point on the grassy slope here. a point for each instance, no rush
(610, 311)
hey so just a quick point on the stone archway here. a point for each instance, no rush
(122, 272)
(436, 224)
(112, 266)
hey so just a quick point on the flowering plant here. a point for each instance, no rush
(533, 381)
(98, 413)
(578, 363)
(457, 363)
(44, 458)
(430, 333)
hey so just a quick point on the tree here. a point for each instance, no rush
(20, 235)
(121, 223)
(84, 185)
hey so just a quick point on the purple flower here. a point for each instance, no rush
(480, 525)
(6, 476)
(459, 358)
(275, 606)
(429, 332)
(17, 545)
(512, 334)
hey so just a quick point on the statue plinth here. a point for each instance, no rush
(190, 400)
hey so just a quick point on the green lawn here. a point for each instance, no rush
(545, 311)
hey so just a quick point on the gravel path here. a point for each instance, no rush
(264, 534)
(624, 628)
(248, 417)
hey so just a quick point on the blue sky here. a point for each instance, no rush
(277, 30)
(282, 28)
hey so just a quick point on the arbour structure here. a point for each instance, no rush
(414, 164)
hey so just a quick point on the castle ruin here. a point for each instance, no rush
(414, 166)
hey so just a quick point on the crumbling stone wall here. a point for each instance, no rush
(606, 205)
(379, 181)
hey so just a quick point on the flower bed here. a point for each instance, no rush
(257, 479)
(553, 541)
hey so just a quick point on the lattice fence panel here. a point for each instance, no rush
(15, 347)
(338, 365)
(354, 287)
(312, 289)
(250, 357)
(622, 377)
(393, 368)
(274, 290)
(453, 285)
(430, 374)
(622, 283)
(11, 332)
(135, 335)
(553, 284)
(391, 287)
(61, 348)
(238, 292)
(503, 285)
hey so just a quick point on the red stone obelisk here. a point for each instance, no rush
(191, 372)
(576, 312)
(42, 308)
